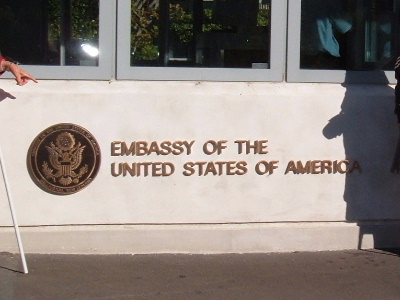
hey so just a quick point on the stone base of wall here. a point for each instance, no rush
(202, 239)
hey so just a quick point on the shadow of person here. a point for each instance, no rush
(368, 127)
(5, 95)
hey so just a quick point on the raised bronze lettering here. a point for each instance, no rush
(291, 167)
(115, 146)
(326, 165)
(231, 168)
(263, 167)
(242, 169)
(316, 167)
(127, 151)
(210, 169)
(216, 147)
(142, 148)
(258, 147)
(215, 168)
(189, 169)
(166, 148)
(322, 166)
(155, 169)
(303, 169)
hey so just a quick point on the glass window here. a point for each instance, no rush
(202, 34)
(49, 33)
(348, 35)
(197, 33)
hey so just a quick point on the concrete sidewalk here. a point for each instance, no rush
(362, 274)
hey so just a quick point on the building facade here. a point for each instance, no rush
(198, 126)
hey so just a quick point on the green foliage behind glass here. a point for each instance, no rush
(31, 28)
(85, 19)
(144, 32)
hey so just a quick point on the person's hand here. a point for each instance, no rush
(20, 75)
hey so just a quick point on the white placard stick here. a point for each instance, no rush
(18, 236)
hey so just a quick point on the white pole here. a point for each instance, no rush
(21, 249)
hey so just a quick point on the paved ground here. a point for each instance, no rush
(362, 274)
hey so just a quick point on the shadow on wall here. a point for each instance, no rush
(5, 95)
(368, 125)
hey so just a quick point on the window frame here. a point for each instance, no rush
(277, 57)
(295, 74)
(106, 67)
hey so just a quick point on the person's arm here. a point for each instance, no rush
(20, 75)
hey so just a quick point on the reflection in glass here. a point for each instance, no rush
(200, 33)
(348, 34)
(50, 32)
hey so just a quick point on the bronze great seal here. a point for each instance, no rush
(63, 159)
